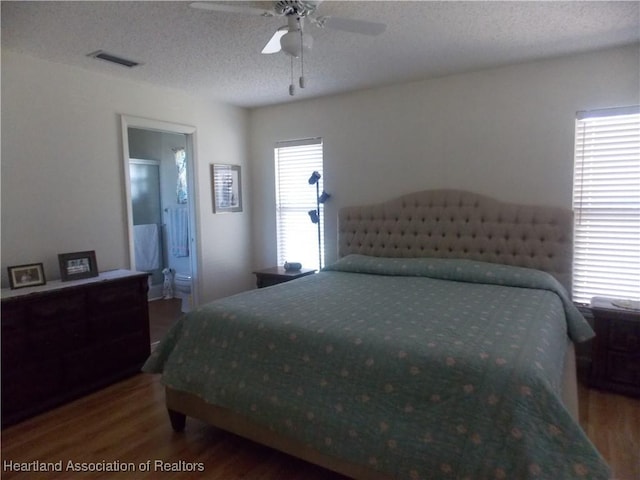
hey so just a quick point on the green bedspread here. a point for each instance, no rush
(420, 368)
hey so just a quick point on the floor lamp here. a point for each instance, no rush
(315, 214)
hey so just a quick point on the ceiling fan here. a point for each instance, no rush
(292, 38)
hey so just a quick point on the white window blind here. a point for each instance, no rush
(297, 235)
(606, 202)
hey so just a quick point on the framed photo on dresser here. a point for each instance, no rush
(30, 275)
(77, 265)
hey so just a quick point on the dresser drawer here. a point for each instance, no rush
(114, 325)
(624, 368)
(113, 298)
(28, 385)
(51, 318)
(14, 335)
(624, 335)
(54, 310)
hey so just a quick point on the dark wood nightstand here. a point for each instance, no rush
(276, 275)
(616, 348)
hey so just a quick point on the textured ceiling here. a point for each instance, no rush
(217, 55)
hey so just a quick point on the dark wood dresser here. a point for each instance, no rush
(66, 339)
(616, 347)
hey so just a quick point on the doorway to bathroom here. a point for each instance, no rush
(159, 185)
(146, 208)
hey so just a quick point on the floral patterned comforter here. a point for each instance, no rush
(420, 368)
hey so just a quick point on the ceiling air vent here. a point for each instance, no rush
(102, 55)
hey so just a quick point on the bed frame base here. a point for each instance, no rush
(181, 405)
(178, 420)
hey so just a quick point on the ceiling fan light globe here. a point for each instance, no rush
(291, 43)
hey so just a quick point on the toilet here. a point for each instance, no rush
(182, 289)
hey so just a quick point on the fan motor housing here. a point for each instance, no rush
(295, 7)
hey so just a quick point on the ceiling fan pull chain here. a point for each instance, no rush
(292, 88)
(301, 57)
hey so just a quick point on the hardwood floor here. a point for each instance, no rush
(612, 422)
(162, 313)
(127, 422)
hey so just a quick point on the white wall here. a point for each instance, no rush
(62, 169)
(506, 132)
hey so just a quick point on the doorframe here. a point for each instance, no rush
(129, 121)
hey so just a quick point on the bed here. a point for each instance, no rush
(438, 345)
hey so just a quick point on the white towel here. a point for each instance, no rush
(147, 247)
(179, 232)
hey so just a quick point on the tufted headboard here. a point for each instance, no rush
(459, 224)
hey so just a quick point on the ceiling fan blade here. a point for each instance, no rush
(351, 25)
(225, 7)
(273, 45)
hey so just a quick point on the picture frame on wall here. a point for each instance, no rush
(77, 265)
(226, 188)
(29, 275)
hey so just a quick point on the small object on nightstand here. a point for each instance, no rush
(276, 275)
(616, 347)
(292, 266)
(627, 304)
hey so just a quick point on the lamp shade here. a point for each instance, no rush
(313, 179)
(324, 197)
(313, 214)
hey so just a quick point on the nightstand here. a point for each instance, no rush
(276, 275)
(616, 347)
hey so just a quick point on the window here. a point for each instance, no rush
(295, 197)
(180, 156)
(606, 202)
